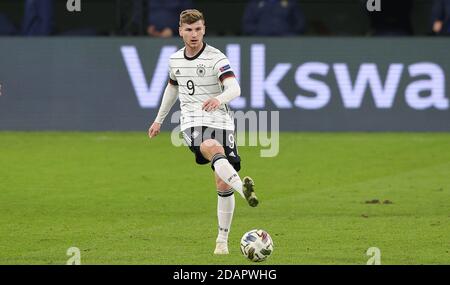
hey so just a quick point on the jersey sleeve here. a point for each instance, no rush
(172, 78)
(222, 68)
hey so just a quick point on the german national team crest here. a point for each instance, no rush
(201, 70)
(195, 134)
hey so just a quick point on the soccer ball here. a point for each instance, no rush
(256, 245)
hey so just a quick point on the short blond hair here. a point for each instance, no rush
(191, 16)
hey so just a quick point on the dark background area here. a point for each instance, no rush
(323, 17)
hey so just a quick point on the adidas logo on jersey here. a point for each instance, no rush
(177, 72)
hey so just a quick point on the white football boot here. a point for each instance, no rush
(221, 248)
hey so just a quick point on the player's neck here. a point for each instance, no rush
(192, 52)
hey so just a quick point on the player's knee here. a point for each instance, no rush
(211, 147)
(210, 143)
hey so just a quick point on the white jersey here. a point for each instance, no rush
(200, 78)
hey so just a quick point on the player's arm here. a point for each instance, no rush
(169, 98)
(231, 91)
(228, 80)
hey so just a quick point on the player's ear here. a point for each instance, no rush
(179, 32)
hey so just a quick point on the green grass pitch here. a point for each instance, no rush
(124, 199)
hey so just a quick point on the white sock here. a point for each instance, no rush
(228, 174)
(225, 209)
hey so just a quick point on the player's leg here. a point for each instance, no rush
(210, 150)
(213, 151)
(231, 151)
(225, 210)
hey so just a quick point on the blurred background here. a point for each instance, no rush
(229, 17)
(327, 65)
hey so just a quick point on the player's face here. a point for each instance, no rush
(192, 34)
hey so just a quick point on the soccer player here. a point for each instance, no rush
(202, 78)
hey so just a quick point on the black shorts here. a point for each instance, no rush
(196, 135)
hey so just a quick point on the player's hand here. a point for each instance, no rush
(153, 131)
(211, 104)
